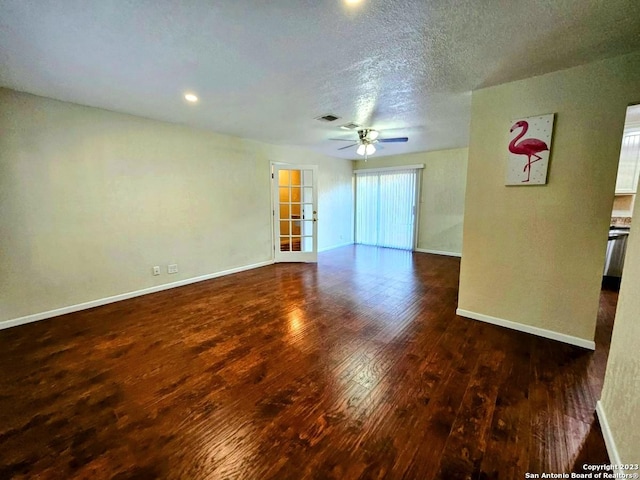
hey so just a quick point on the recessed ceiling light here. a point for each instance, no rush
(190, 97)
(352, 2)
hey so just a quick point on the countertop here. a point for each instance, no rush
(620, 221)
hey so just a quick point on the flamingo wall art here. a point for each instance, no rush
(529, 150)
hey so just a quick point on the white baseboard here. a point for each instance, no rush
(124, 296)
(437, 252)
(541, 332)
(334, 246)
(612, 450)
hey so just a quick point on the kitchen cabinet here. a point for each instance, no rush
(629, 166)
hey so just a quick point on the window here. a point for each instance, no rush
(386, 207)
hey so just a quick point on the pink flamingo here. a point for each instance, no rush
(529, 147)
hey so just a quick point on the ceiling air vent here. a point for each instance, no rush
(350, 126)
(328, 118)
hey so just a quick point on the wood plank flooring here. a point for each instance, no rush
(354, 368)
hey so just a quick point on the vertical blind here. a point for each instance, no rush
(385, 208)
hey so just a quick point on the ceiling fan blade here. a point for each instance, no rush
(342, 139)
(394, 140)
(348, 146)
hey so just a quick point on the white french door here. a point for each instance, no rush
(295, 202)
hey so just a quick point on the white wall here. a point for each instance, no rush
(90, 200)
(441, 198)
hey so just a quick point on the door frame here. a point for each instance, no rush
(275, 242)
(417, 199)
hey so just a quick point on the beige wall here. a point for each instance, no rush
(534, 255)
(621, 391)
(441, 197)
(90, 200)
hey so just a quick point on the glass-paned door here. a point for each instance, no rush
(295, 213)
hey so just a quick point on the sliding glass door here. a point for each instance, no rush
(386, 205)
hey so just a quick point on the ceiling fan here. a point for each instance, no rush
(366, 139)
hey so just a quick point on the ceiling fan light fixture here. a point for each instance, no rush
(191, 97)
(367, 138)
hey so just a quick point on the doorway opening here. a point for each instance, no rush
(624, 200)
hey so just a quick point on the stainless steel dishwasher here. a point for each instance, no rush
(616, 249)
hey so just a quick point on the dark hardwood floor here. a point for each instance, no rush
(356, 367)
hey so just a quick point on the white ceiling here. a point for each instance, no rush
(265, 70)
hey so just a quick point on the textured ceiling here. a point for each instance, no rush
(265, 70)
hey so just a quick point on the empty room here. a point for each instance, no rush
(346, 239)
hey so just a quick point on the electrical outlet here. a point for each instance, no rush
(172, 268)
(156, 270)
